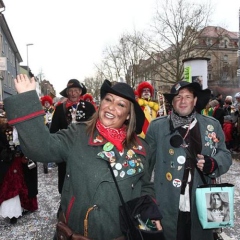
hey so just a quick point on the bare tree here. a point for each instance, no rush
(122, 60)
(93, 85)
(174, 33)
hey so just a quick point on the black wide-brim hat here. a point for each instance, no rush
(125, 91)
(73, 83)
(203, 96)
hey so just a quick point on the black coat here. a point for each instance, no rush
(61, 119)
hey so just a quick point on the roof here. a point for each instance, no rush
(214, 32)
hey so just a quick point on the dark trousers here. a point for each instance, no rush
(184, 226)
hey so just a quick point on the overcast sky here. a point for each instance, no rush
(70, 36)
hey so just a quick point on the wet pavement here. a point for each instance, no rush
(40, 225)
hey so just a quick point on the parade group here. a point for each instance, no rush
(18, 169)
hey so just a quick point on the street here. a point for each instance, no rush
(40, 225)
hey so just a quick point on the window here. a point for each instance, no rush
(225, 58)
(12, 82)
(6, 50)
(209, 76)
(9, 80)
(13, 60)
(209, 41)
(225, 43)
(1, 44)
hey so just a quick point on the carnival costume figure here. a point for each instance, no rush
(145, 92)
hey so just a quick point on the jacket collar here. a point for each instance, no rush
(98, 140)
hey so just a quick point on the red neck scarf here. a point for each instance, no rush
(70, 103)
(113, 135)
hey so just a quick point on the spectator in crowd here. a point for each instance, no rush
(48, 107)
(237, 100)
(236, 129)
(18, 181)
(228, 127)
(89, 200)
(218, 111)
(182, 143)
(219, 98)
(89, 98)
(228, 107)
(74, 110)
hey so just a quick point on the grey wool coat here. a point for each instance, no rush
(168, 170)
(88, 179)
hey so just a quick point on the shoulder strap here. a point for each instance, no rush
(199, 171)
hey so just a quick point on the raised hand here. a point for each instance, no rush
(24, 84)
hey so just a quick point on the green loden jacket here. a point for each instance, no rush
(168, 165)
(88, 180)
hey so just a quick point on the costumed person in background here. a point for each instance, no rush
(95, 151)
(18, 183)
(89, 98)
(74, 110)
(207, 111)
(47, 103)
(150, 108)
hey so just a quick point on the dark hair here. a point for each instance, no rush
(131, 126)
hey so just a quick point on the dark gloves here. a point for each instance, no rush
(210, 165)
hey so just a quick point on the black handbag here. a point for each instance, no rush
(136, 212)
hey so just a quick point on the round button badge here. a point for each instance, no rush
(108, 147)
(181, 159)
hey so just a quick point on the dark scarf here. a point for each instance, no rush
(113, 135)
(177, 121)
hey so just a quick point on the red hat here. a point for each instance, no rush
(86, 96)
(46, 98)
(143, 85)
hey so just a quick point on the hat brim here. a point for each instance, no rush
(140, 117)
(203, 96)
(64, 91)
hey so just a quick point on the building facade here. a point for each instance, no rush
(163, 69)
(10, 56)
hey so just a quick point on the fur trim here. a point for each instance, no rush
(144, 85)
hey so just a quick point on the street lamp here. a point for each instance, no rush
(29, 44)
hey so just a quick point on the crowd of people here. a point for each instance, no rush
(226, 111)
(154, 147)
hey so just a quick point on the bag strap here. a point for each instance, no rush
(130, 224)
(199, 171)
(115, 181)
